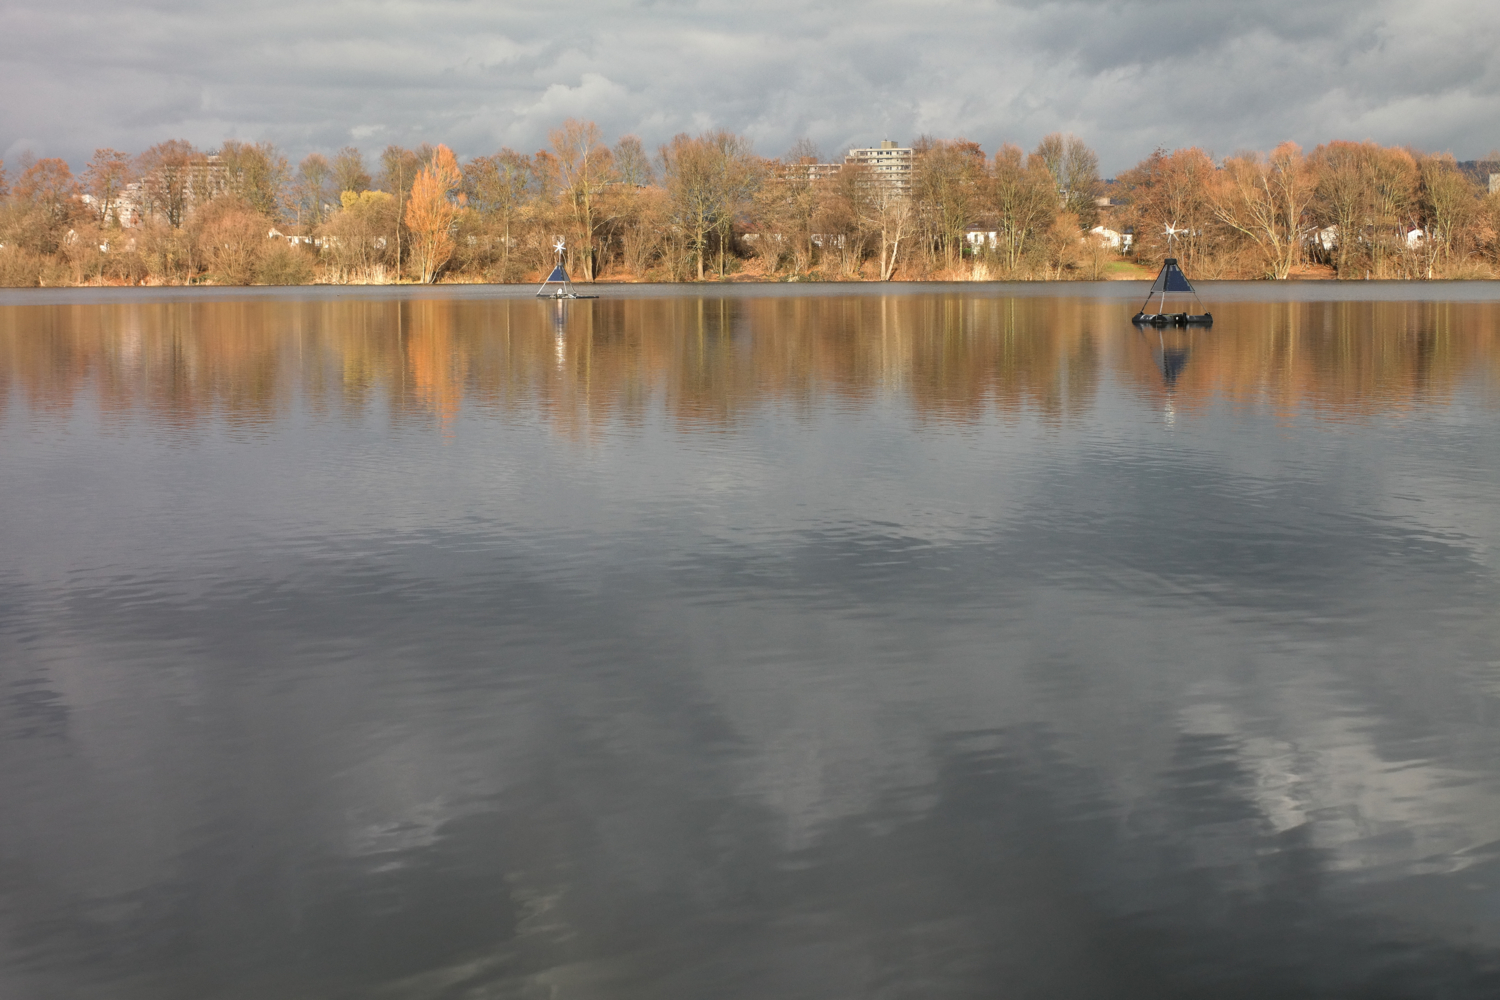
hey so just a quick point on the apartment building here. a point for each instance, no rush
(889, 163)
(811, 170)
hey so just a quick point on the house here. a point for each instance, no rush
(979, 237)
(1109, 237)
(293, 238)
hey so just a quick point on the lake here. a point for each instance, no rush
(777, 641)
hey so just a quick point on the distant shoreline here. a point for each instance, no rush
(1294, 290)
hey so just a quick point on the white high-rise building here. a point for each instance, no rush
(889, 163)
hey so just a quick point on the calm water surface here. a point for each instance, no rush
(929, 643)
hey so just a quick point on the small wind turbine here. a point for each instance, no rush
(558, 247)
(1172, 233)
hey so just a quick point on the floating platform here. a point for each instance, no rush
(559, 278)
(1172, 319)
(1171, 281)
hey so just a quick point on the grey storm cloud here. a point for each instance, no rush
(1126, 75)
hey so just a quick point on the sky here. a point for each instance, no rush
(1127, 76)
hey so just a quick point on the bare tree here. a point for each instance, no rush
(358, 237)
(1172, 188)
(786, 206)
(945, 181)
(804, 150)
(643, 230)
(232, 240)
(1394, 179)
(1264, 198)
(1075, 171)
(107, 174)
(257, 173)
(1448, 201)
(632, 165)
(167, 173)
(314, 175)
(349, 173)
(583, 168)
(1342, 198)
(498, 188)
(841, 220)
(398, 169)
(707, 179)
(48, 194)
(893, 210)
(1023, 202)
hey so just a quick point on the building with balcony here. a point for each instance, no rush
(810, 170)
(888, 163)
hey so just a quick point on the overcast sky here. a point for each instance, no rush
(1126, 75)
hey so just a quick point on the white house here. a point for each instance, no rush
(1109, 237)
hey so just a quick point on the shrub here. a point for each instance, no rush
(19, 268)
(283, 264)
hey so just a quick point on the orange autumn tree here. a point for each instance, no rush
(1264, 199)
(431, 212)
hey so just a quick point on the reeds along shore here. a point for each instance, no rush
(707, 208)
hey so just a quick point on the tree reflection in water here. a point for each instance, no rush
(711, 362)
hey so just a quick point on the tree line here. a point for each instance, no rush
(707, 207)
